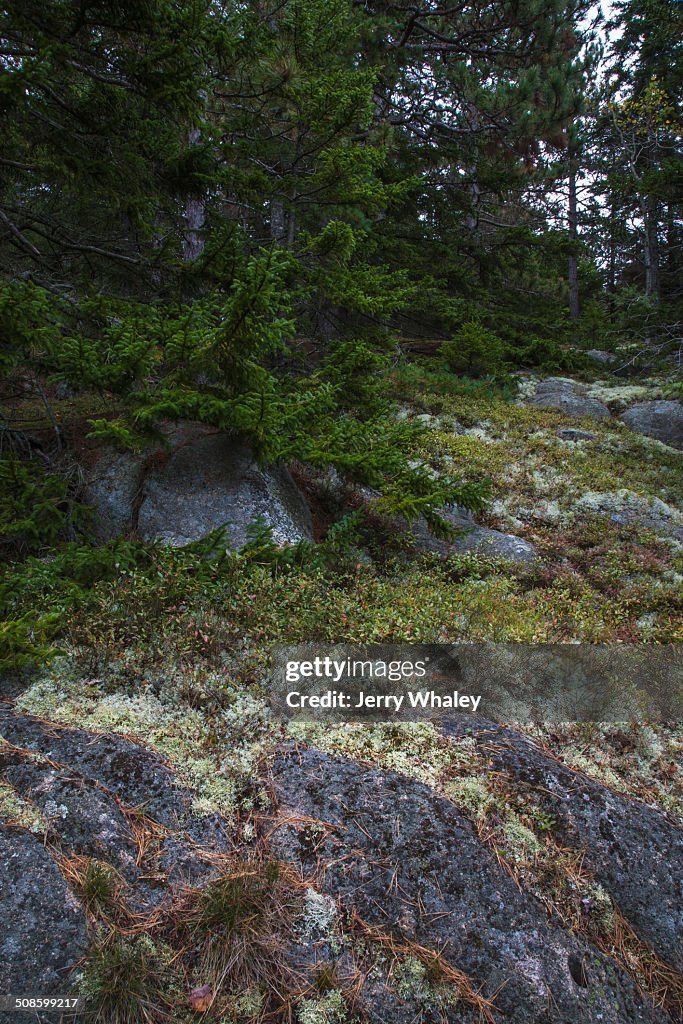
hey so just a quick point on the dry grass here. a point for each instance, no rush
(97, 883)
(655, 978)
(438, 969)
(238, 928)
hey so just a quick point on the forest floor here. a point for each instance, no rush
(145, 761)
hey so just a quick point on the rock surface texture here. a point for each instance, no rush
(42, 924)
(407, 863)
(569, 397)
(204, 480)
(613, 832)
(662, 420)
(394, 875)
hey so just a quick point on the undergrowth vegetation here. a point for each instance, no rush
(171, 647)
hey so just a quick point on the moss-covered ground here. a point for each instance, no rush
(174, 651)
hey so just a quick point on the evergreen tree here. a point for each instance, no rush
(644, 128)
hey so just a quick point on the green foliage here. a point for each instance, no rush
(26, 641)
(227, 213)
(133, 74)
(36, 508)
(96, 882)
(29, 322)
(64, 581)
(262, 549)
(475, 351)
(357, 372)
(548, 356)
(114, 432)
(337, 552)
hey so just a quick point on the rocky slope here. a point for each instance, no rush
(172, 853)
(401, 896)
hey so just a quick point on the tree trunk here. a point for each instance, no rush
(573, 260)
(291, 227)
(612, 282)
(194, 215)
(651, 219)
(277, 221)
(193, 242)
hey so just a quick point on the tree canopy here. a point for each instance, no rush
(193, 195)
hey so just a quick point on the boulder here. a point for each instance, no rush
(83, 784)
(633, 850)
(662, 420)
(626, 508)
(210, 480)
(566, 395)
(554, 385)
(601, 356)
(110, 486)
(571, 403)
(89, 823)
(472, 538)
(410, 866)
(572, 434)
(131, 773)
(493, 543)
(203, 480)
(42, 925)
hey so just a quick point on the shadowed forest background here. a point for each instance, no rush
(248, 214)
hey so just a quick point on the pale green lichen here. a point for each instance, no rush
(520, 843)
(319, 917)
(181, 734)
(14, 810)
(630, 757)
(620, 396)
(472, 794)
(598, 903)
(328, 1009)
(596, 766)
(412, 748)
(249, 1005)
(411, 981)
(627, 506)
(526, 387)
